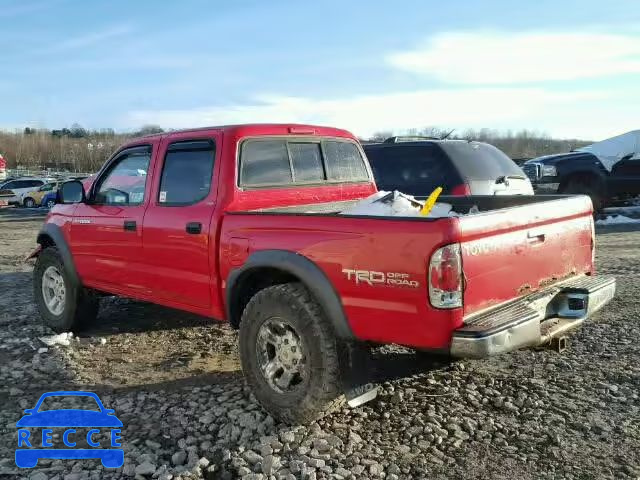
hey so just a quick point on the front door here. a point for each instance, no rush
(177, 231)
(106, 233)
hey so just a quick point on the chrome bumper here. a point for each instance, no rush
(533, 320)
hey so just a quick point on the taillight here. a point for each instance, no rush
(461, 190)
(593, 245)
(445, 277)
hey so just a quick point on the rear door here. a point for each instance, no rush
(515, 251)
(106, 232)
(177, 226)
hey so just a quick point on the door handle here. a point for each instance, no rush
(535, 237)
(130, 225)
(194, 228)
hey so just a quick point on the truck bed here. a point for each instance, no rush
(513, 247)
(462, 205)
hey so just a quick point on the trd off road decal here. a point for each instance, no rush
(370, 277)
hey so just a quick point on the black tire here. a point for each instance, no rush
(80, 306)
(50, 204)
(585, 186)
(29, 202)
(320, 393)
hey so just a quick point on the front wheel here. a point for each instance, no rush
(29, 202)
(289, 354)
(63, 305)
(50, 204)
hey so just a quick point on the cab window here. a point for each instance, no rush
(187, 172)
(124, 182)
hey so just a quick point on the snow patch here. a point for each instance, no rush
(612, 150)
(617, 220)
(396, 204)
(63, 339)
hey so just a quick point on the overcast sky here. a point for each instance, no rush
(567, 68)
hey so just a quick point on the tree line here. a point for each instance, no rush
(519, 145)
(77, 149)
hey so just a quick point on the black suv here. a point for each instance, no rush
(417, 166)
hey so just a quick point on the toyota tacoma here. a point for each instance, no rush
(244, 224)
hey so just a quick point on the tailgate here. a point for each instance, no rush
(512, 252)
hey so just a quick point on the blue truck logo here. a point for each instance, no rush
(32, 447)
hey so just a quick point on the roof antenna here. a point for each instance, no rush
(446, 135)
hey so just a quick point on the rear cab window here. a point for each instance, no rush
(281, 162)
(412, 169)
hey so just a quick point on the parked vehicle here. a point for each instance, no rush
(243, 224)
(417, 167)
(605, 171)
(35, 197)
(22, 186)
(3, 168)
(49, 200)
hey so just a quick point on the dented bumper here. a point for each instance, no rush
(533, 320)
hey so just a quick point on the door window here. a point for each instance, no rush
(124, 182)
(186, 173)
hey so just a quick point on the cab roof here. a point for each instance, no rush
(262, 129)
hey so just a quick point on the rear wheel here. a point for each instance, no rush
(63, 306)
(289, 354)
(585, 186)
(29, 202)
(50, 203)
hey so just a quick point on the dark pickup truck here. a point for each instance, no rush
(605, 171)
(245, 224)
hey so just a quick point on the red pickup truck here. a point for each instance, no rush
(244, 224)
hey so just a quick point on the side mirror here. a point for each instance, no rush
(71, 192)
(109, 411)
(29, 411)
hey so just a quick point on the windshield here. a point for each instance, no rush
(66, 402)
(480, 161)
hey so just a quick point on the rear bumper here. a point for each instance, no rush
(533, 320)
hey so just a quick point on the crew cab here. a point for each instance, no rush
(245, 224)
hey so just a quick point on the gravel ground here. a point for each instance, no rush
(174, 381)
